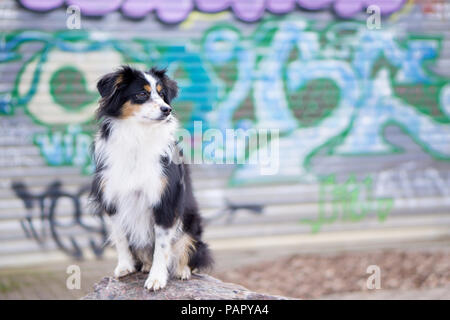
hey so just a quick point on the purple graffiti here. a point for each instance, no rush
(95, 8)
(279, 7)
(348, 8)
(44, 5)
(168, 11)
(174, 11)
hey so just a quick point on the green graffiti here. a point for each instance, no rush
(425, 98)
(69, 89)
(350, 201)
(314, 102)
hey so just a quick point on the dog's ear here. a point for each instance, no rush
(106, 85)
(114, 81)
(109, 87)
(171, 89)
(170, 86)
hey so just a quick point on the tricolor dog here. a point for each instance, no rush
(140, 182)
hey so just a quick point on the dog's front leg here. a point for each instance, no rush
(125, 263)
(162, 256)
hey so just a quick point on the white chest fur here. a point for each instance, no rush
(133, 178)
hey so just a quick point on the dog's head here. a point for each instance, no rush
(131, 93)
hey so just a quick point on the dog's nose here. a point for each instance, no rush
(166, 110)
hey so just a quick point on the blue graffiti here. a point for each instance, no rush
(366, 103)
(267, 74)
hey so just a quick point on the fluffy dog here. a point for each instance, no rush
(140, 182)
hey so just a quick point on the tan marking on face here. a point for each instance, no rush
(147, 88)
(158, 87)
(129, 109)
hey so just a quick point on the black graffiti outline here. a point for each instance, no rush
(230, 210)
(47, 203)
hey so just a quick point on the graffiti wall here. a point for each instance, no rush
(363, 113)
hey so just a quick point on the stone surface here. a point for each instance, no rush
(199, 287)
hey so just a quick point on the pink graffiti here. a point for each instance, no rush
(174, 11)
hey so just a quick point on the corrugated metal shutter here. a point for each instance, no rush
(364, 116)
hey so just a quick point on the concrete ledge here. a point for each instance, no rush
(199, 287)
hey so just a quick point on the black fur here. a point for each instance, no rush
(171, 206)
(96, 194)
(105, 130)
(201, 258)
(179, 202)
(170, 87)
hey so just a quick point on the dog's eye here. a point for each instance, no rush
(141, 96)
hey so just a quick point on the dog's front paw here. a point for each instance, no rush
(184, 273)
(156, 280)
(124, 268)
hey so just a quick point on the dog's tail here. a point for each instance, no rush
(201, 258)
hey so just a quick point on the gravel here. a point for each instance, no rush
(308, 276)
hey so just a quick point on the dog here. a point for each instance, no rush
(140, 182)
